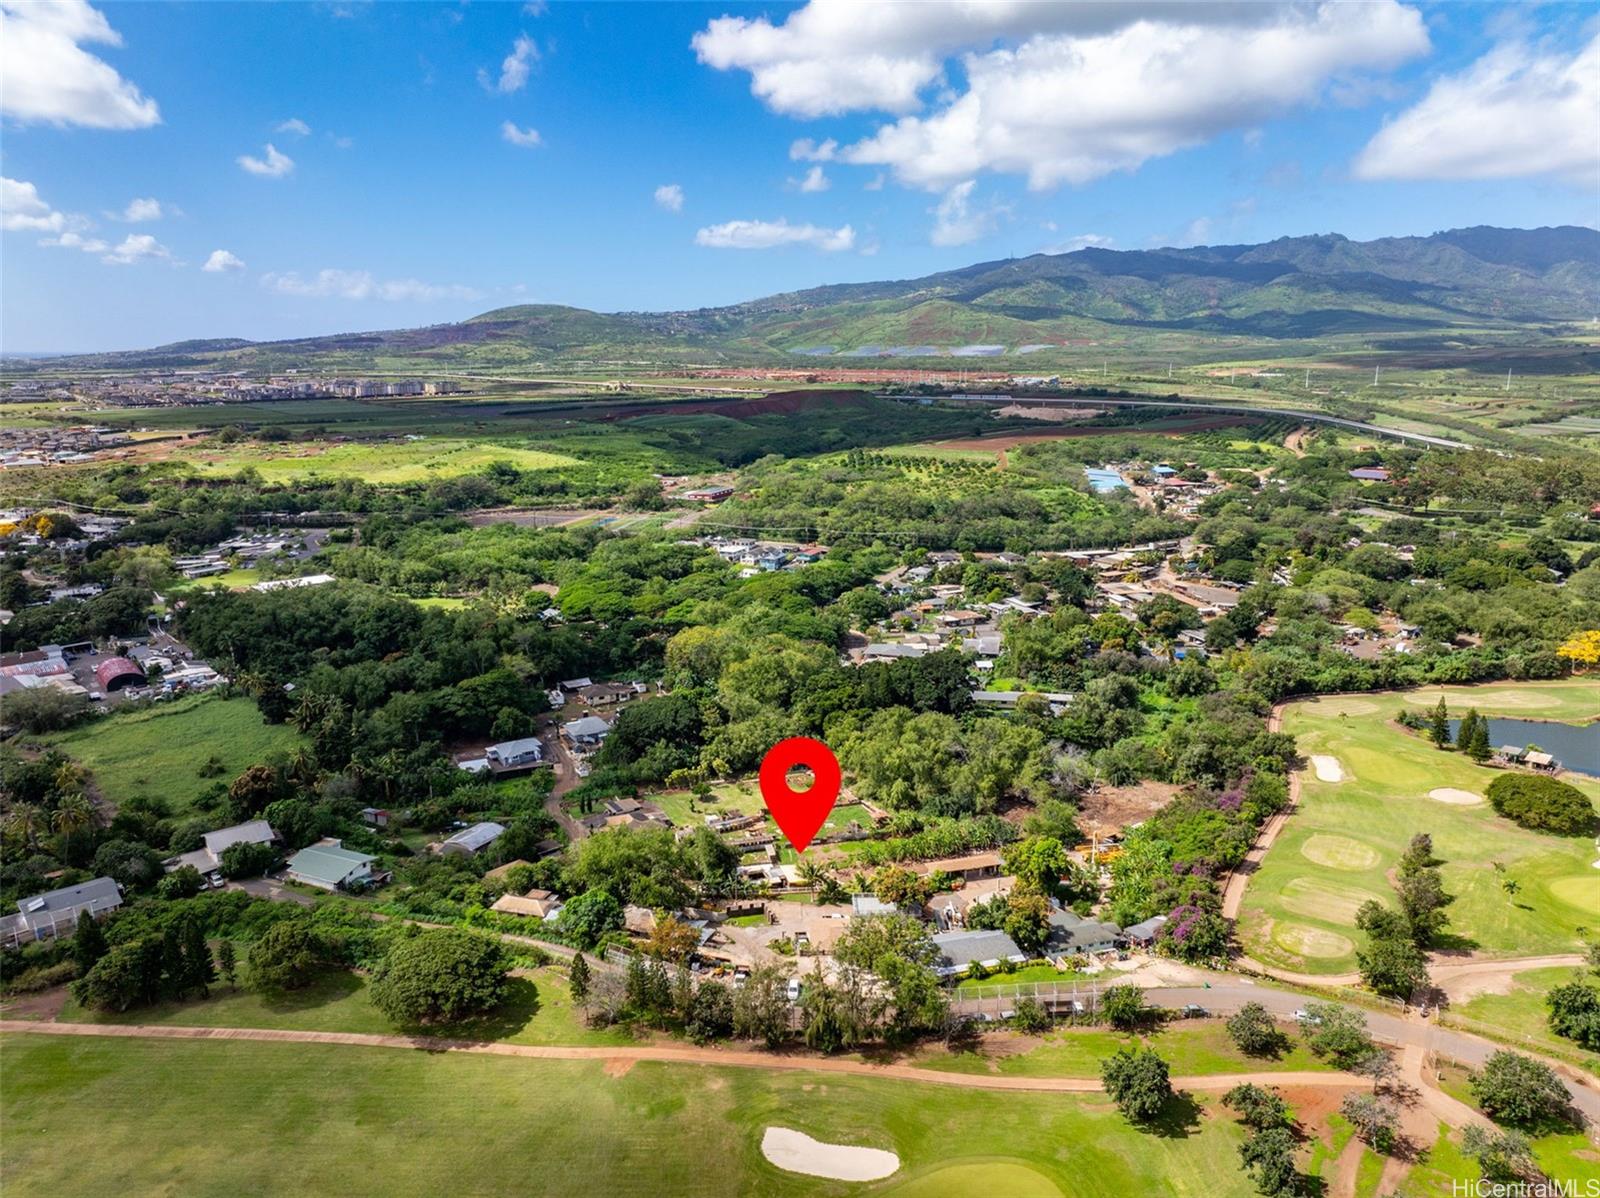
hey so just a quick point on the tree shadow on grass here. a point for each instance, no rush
(1179, 1118)
(329, 986)
(506, 1020)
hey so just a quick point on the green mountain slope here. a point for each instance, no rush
(1468, 280)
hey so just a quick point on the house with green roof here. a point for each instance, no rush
(328, 865)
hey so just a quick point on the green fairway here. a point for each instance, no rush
(1341, 845)
(374, 462)
(1191, 1049)
(1522, 1016)
(252, 1118)
(157, 752)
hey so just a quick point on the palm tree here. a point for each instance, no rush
(303, 770)
(313, 710)
(74, 812)
(26, 821)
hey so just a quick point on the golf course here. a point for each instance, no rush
(1370, 785)
(240, 1117)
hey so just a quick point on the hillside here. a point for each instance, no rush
(1478, 281)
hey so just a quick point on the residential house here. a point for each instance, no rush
(55, 913)
(959, 951)
(971, 868)
(585, 735)
(470, 841)
(535, 904)
(1072, 935)
(328, 865)
(605, 694)
(523, 753)
(208, 857)
(1143, 934)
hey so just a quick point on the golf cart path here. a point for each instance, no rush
(1233, 890)
(685, 1055)
(1442, 971)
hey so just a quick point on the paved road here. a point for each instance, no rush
(1391, 1029)
(1249, 409)
(670, 1054)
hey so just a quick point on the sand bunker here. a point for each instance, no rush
(1328, 768)
(1451, 794)
(799, 1153)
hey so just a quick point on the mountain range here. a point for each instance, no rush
(1461, 282)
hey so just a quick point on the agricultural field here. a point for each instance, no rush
(419, 1122)
(384, 462)
(1340, 845)
(156, 752)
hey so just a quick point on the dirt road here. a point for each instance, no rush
(684, 1055)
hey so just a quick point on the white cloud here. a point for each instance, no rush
(221, 261)
(51, 79)
(670, 197)
(294, 125)
(957, 222)
(874, 184)
(514, 68)
(1516, 111)
(806, 150)
(137, 247)
(362, 285)
(526, 138)
(142, 210)
(768, 234)
(535, 8)
(274, 166)
(1083, 241)
(814, 180)
(1085, 89)
(23, 211)
(71, 240)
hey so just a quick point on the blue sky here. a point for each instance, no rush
(395, 195)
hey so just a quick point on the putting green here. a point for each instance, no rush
(1580, 891)
(1311, 942)
(990, 1177)
(1339, 852)
(1322, 898)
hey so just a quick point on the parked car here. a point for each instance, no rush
(794, 990)
(1194, 1011)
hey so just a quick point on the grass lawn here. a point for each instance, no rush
(373, 462)
(1522, 1013)
(687, 810)
(539, 1012)
(1341, 845)
(232, 580)
(156, 752)
(1565, 1154)
(1190, 1048)
(1042, 972)
(224, 1117)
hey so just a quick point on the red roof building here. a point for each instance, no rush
(114, 673)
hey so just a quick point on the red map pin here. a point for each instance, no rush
(799, 814)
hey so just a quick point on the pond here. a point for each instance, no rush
(1575, 746)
